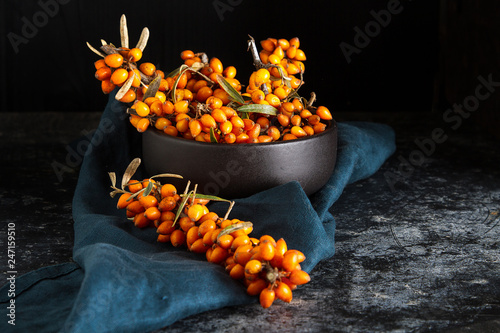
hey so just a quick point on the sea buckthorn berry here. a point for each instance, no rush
(222, 95)
(214, 102)
(324, 113)
(218, 255)
(141, 108)
(156, 108)
(262, 76)
(228, 111)
(122, 201)
(290, 284)
(168, 107)
(234, 83)
(147, 68)
(273, 59)
(264, 55)
(299, 277)
(291, 51)
(305, 114)
(216, 65)
(134, 186)
(171, 130)
(152, 213)
(264, 138)
(313, 120)
(292, 69)
(283, 120)
(280, 92)
(289, 136)
(195, 212)
(188, 95)
(163, 85)
(182, 125)
(242, 138)
(269, 238)
(230, 138)
(296, 120)
(160, 73)
(134, 55)
(119, 76)
(226, 128)
(308, 129)
(192, 236)
(161, 96)
(187, 54)
(258, 96)
(237, 122)
(107, 86)
(284, 44)
(195, 127)
(114, 60)
(319, 127)
(237, 272)
(254, 132)
(255, 287)
(209, 216)
(229, 72)
(167, 216)
(143, 125)
(219, 115)
(266, 297)
(167, 204)
(163, 238)
(295, 82)
(290, 261)
(150, 100)
(263, 122)
(273, 100)
(295, 42)
(129, 96)
(300, 55)
(208, 121)
(148, 201)
(288, 106)
(103, 73)
(135, 207)
(298, 131)
(99, 64)
(268, 45)
(198, 246)
(249, 123)
(141, 221)
(240, 241)
(136, 83)
(181, 106)
(274, 133)
(253, 267)
(225, 241)
(279, 52)
(205, 227)
(283, 292)
(300, 65)
(178, 238)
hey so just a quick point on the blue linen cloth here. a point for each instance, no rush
(122, 280)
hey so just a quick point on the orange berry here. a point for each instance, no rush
(255, 287)
(187, 54)
(203, 94)
(237, 272)
(142, 125)
(229, 72)
(103, 73)
(268, 45)
(153, 213)
(181, 106)
(134, 186)
(216, 65)
(218, 255)
(205, 227)
(129, 96)
(198, 246)
(274, 133)
(253, 267)
(137, 78)
(323, 113)
(99, 64)
(135, 54)
(196, 211)
(266, 297)
(135, 207)
(262, 76)
(107, 86)
(283, 292)
(141, 221)
(178, 238)
(141, 108)
(114, 60)
(300, 55)
(147, 68)
(122, 201)
(289, 136)
(148, 201)
(171, 130)
(299, 277)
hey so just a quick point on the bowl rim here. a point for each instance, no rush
(331, 126)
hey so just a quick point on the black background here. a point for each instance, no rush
(54, 70)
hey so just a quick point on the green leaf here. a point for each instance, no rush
(174, 72)
(213, 139)
(148, 189)
(153, 88)
(234, 95)
(181, 206)
(233, 227)
(209, 197)
(259, 108)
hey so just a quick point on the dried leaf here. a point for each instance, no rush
(123, 90)
(233, 227)
(124, 31)
(182, 70)
(171, 175)
(259, 108)
(129, 172)
(234, 95)
(152, 88)
(143, 40)
(112, 176)
(181, 206)
(96, 51)
(113, 193)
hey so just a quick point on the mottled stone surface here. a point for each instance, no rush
(418, 257)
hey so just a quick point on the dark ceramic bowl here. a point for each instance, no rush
(240, 170)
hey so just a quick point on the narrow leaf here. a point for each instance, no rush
(182, 70)
(234, 95)
(259, 108)
(96, 51)
(181, 206)
(112, 176)
(123, 31)
(148, 188)
(213, 139)
(129, 172)
(210, 197)
(143, 40)
(233, 227)
(170, 175)
(152, 87)
(125, 88)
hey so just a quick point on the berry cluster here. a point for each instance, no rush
(202, 100)
(265, 266)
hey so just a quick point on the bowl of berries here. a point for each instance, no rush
(231, 138)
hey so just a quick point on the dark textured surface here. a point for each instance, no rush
(421, 256)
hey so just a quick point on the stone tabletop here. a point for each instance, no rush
(417, 244)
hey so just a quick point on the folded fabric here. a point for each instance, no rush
(122, 280)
